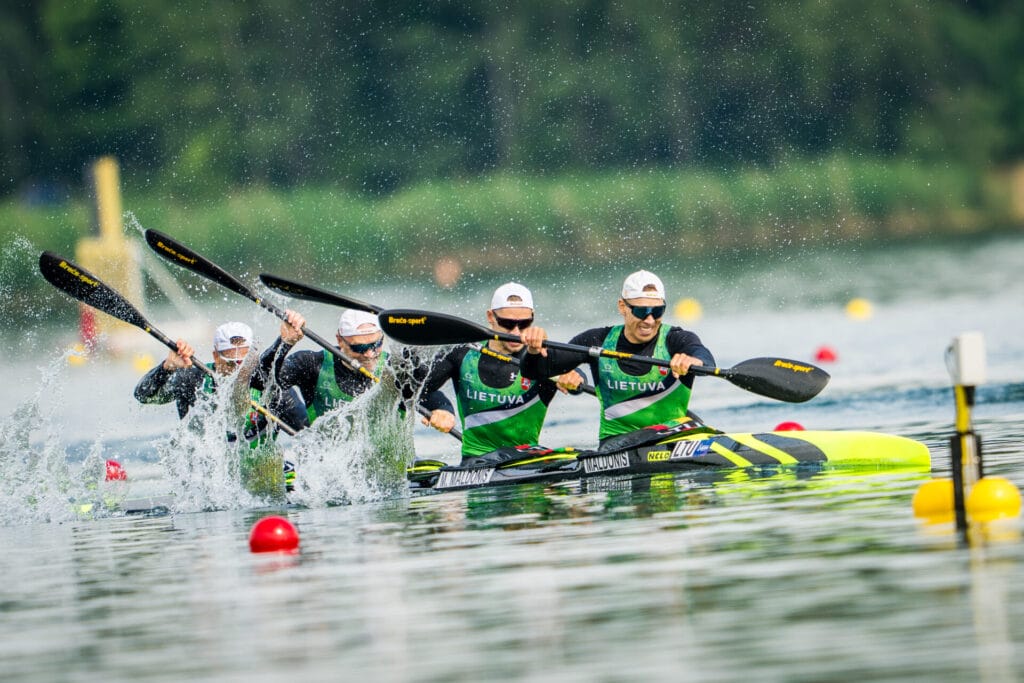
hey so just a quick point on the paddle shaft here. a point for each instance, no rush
(597, 351)
(90, 290)
(426, 412)
(778, 378)
(300, 290)
(178, 253)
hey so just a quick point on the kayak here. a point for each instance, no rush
(687, 446)
(153, 506)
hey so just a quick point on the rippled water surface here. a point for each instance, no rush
(778, 575)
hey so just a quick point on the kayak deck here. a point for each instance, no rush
(695, 449)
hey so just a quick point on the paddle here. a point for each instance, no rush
(778, 378)
(178, 253)
(311, 293)
(80, 284)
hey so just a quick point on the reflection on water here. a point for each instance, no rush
(784, 574)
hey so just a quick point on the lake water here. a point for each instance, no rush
(778, 575)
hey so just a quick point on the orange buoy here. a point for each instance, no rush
(788, 426)
(447, 272)
(273, 534)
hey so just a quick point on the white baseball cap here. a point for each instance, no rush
(511, 295)
(643, 284)
(354, 323)
(224, 336)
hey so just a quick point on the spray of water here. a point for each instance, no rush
(39, 482)
(355, 453)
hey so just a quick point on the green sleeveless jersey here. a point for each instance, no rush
(328, 395)
(496, 418)
(631, 402)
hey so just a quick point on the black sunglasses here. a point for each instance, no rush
(369, 346)
(642, 312)
(512, 323)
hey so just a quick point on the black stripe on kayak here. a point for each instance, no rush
(804, 451)
(754, 456)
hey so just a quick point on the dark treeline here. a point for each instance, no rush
(375, 95)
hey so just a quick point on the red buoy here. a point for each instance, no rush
(826, 354)
(115, 472)
(273, 534)
(788, 427)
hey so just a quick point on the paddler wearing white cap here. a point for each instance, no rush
(176, 379)
(497, 405)
(633, 395)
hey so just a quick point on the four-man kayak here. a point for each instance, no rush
(686, 446)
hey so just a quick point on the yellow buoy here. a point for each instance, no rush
(142, 362)
(859, 309)
(933, 500)
(993, 498)
(688, 310)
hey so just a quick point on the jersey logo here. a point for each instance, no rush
(525, 384)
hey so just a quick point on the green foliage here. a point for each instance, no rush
(503, 222)
(377, 96)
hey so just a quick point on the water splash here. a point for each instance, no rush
(355, 453)
(38, 480)
(203, 467)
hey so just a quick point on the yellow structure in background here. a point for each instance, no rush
(110, 256)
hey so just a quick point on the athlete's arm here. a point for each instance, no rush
(301, 370)
(560, 361)
(444, 368)
(680, 341)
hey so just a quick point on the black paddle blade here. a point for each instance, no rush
(178, 253)
(424, 328)
(311, 293)
(80, 284)
(781, 378)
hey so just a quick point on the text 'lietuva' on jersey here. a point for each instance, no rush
(328, 394)
(494, 418)
(633, 395)
(631, 402)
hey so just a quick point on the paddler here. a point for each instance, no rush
(498, 407)
(322, 380)
(633, 395)
(176, 379)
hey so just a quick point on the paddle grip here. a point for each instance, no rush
(425, 412)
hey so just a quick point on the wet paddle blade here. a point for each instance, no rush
(780, 378)
(80, 284)
(178, 253)
(424, 328)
